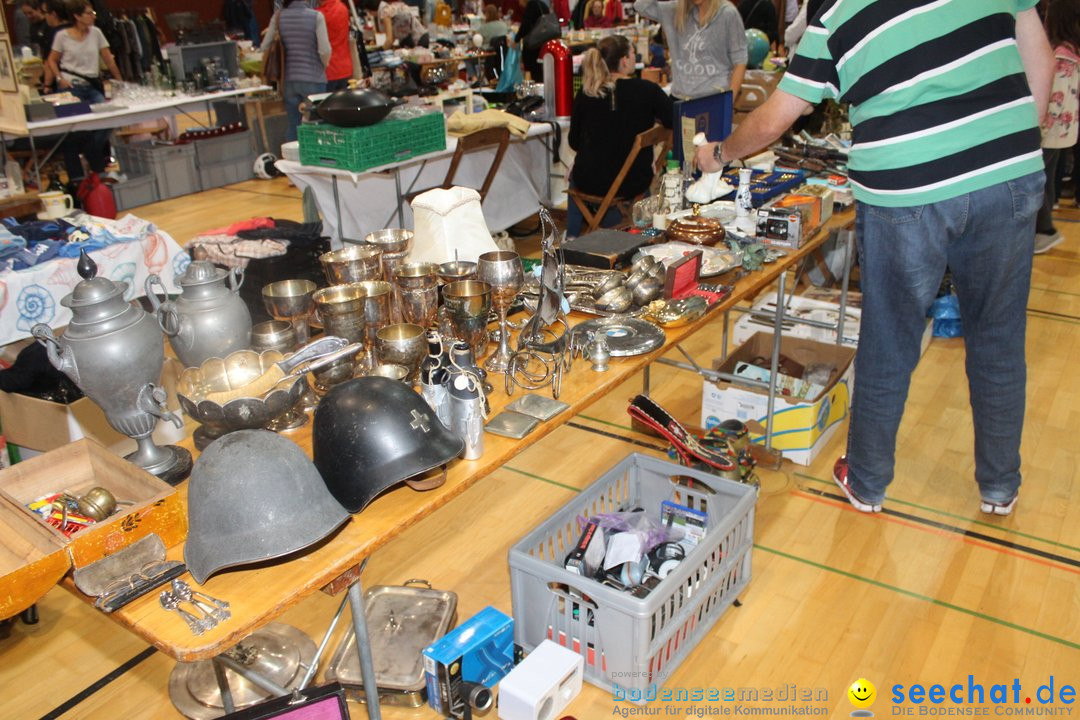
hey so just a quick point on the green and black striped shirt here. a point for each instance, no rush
(939, 102)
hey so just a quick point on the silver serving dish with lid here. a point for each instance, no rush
(402, 620)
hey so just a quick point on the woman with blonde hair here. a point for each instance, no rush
(609, 112)
(706, 41)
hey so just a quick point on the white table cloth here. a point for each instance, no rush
(30, 296)
(368, 200)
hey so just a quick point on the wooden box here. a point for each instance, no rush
(31, 548)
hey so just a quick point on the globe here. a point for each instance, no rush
(757, 48)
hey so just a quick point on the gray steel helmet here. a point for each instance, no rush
(254, 495)
(373, 432)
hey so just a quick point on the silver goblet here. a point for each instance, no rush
(291, 300)
(402, 344)
(375, 303)
(466, 307)
(502, 270)
(352, 263)
(416, 292)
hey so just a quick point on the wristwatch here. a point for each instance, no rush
(718, 150)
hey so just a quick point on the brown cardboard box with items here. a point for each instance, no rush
(34, 555)
(801, 427)
(43, 425)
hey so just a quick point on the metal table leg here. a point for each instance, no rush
(337, 212)
(223, 686)
(363, 650)
(253, 677)
(778, 325)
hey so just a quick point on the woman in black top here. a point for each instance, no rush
(609, 112)
(532, 10)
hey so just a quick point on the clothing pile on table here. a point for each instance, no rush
(28, 244)
(237, 244)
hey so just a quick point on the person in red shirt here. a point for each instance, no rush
(340, 69)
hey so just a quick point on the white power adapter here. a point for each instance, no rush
(542, 685)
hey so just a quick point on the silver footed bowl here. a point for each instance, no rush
(235, 371)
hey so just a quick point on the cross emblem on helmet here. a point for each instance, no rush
(419, 421)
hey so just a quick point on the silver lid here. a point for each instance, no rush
(402, 621)
(200, 272)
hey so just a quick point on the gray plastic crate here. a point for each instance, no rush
(224, 148)
(135, 191)
(226, 173)
(173, 167)
(627, 641)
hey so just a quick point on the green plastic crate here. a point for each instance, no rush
(361, 148)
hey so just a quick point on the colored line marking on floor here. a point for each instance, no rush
(1056, 292)
(999, 528)
(920, 596)
(616, 436)
(258, 192)
(541, 478)
(1048, 315)
(986, 542)
(98, 685)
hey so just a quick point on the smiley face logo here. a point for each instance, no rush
(862, 695)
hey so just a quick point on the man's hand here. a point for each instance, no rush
(705, 156)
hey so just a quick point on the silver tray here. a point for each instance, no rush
(402, 621)
(626, 336)
(278, 652)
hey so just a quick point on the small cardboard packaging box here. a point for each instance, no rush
(801, 428)
(34, 555)
(480, 650)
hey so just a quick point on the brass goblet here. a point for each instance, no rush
(502, 270)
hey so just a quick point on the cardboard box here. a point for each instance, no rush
(800, 427)
(807, 204)
(480, 650)
(43, 425)
(798, 308)
(34, 555)
(810, 309)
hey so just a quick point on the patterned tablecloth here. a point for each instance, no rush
(30, 296)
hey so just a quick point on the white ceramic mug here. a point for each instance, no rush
(57, 204)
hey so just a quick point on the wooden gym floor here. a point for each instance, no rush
(929, 592)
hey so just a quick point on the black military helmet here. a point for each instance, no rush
(373, 432)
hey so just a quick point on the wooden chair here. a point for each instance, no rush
(657, 135)
(498, 137)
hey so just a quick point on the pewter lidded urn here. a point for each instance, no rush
(114, 352)
(209, 319)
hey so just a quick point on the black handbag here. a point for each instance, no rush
(546, 28)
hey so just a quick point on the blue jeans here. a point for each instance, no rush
(92, 144)
(986, 239)
(293, 94)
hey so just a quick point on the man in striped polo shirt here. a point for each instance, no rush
(945, 99)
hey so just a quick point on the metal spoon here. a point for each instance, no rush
(211, 607)
(172, 602)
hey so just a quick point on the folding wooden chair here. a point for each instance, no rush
(498, 137)
(657, 135)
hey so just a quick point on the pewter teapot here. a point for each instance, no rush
(209, 319)
(114, 352)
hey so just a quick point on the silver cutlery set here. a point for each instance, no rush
(200, 611)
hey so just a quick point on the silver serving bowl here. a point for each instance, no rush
(235, 371)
